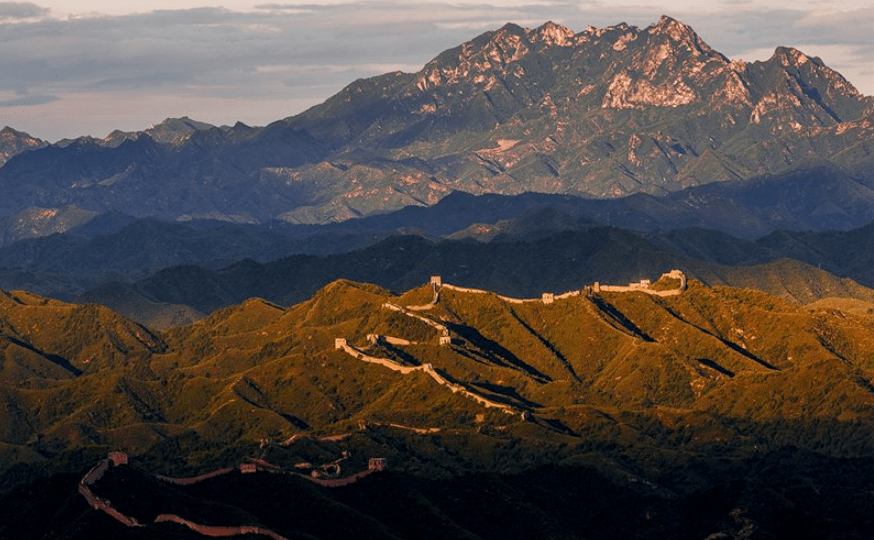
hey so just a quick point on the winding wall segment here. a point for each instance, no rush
(97, 472)
(195, 479)
(431, 372)
(218, 531)
(92, 476)
(430, 322)
(384, 362)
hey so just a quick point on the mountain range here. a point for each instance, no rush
(169, 273)
(607, 284)
(602, 113)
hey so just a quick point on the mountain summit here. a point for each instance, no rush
(604, 112)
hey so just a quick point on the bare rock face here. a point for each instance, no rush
(603, 113)
(606, 112)
(37, 222)
(14, 142)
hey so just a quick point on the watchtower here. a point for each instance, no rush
(377, 464)
(117, 458)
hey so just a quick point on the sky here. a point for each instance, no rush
(86, 67)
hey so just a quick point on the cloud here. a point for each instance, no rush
(10, 11)
(25, 101)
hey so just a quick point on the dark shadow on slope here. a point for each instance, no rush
(503, 399)
(733, 346)
(476, 356)
(611, 314)
(249, 392)
(494, 350)
(53, 358)
(556, 425)
(546, 343)
(713, 365)
(398, 355)
(506, 391)
(293, 420)
(830, 348)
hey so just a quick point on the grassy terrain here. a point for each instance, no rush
(627, 390)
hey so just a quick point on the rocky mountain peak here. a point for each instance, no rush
(799, 64)
(14, 142)
(8, 134)
(8, 131)
(683, 37)
(792, 57)
(507, 44)
(593, 33)
(169, 131)
(477, 59)
(666, 65)
(675, 29)
(553, 34)
(804, 89)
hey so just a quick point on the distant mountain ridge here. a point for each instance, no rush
(147, 269)
(14, 142)
(605, 112)
(559, 262)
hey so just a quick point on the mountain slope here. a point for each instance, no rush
(705, 351)
(710, 410)
(14, 142)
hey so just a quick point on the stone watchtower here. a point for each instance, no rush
(377, 464)
(436, 281)
(118, 458)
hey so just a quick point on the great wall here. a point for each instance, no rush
(643, 286)
(326, 474)
(251, 465)
(429, 370)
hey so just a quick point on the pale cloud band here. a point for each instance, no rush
(64, 73)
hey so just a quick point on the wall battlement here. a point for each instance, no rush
(644, 285)
(429, 370)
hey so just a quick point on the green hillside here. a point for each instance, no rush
(628, 388)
